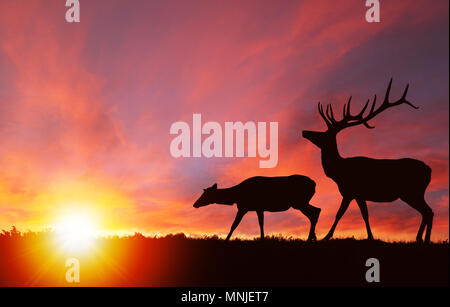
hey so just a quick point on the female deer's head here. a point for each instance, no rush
(208, 197)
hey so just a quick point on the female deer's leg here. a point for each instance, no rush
(344, 205)
(236, 222)
(420, 205)
(365, 214)
(312, 213)
(261, 222)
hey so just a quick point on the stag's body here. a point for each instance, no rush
(378, 187)
(259, 194)
(366, 179)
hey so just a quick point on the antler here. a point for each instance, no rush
(349, 120)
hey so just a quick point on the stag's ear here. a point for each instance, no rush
(214, 186)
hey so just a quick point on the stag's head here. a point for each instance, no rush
(207, 198)
(322, 139)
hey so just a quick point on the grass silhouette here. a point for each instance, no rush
(34, 259)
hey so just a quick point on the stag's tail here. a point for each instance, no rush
(426, 175)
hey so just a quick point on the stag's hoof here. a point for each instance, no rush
(327, 237)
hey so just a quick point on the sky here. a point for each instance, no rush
(86, 108)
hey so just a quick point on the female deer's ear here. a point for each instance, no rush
(214, 186)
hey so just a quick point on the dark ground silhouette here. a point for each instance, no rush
(32, 259)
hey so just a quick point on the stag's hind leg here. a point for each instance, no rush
(312, 213)
(419, 203)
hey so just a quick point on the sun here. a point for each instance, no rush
(76, 231)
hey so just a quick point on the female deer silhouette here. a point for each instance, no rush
(261, 194)
(365, 179)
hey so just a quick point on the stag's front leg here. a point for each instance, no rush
(344, 205)
(240, 214)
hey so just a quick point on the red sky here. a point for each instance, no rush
(85, 109)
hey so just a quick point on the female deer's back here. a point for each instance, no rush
(274, 193)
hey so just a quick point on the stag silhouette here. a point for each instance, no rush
(365, 179)
(261, 194)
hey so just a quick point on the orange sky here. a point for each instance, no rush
(85, 109)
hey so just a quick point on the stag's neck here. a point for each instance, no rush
(331, 160)
(226, 196)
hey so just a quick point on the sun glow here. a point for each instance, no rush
(76, 232)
